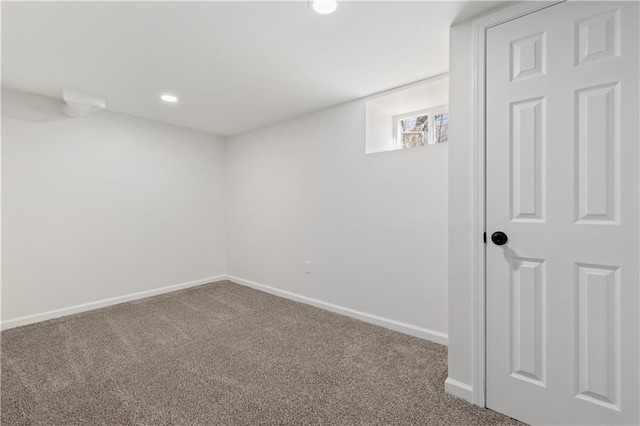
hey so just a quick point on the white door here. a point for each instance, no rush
(562, 180)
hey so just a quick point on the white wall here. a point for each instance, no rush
(374, 226)
(103, 206)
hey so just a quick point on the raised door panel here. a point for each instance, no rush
(598, 329)
(528, 319)
(598, 162)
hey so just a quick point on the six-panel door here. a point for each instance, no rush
(563, 184)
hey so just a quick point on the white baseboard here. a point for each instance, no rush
(29, 319)
(423, 333)
(459, 389)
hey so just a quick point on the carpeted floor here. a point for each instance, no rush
(223, 354)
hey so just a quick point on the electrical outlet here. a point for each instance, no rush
(308, 266)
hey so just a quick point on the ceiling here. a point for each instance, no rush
(235, 66)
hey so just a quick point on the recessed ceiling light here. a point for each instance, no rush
(324, 7)
(169, 98)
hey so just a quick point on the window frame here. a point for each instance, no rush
(430, 112)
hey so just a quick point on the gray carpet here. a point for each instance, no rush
(223, 354)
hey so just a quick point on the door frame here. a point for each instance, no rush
(480, 27)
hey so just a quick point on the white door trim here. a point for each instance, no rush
(480, 27)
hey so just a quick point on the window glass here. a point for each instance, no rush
(414, 131)
(441, 128)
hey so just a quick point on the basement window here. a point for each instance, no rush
(421, 128)
(409, 117)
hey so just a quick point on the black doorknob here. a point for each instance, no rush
(499, 238)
